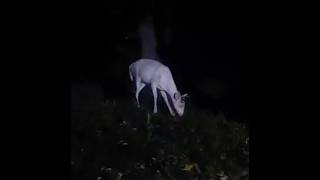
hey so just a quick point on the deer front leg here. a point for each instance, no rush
(155, 95)
(139, 87)
(165, 97)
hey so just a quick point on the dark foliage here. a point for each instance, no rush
(116, 140)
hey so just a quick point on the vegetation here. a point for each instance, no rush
(116, 140)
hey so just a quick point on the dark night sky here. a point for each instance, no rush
(204, 51)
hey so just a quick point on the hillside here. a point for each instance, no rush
(116, 140)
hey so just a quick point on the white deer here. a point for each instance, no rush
(158, 76)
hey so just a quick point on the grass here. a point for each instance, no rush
(116, 140)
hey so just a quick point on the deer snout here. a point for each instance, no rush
(180, 114)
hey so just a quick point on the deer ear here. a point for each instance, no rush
(185, 95)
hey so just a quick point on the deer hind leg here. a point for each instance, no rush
(155, 95)
(165, 97)
(139, 87)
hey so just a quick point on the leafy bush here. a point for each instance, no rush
(116, 140)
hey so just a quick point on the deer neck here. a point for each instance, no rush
(171, 89)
